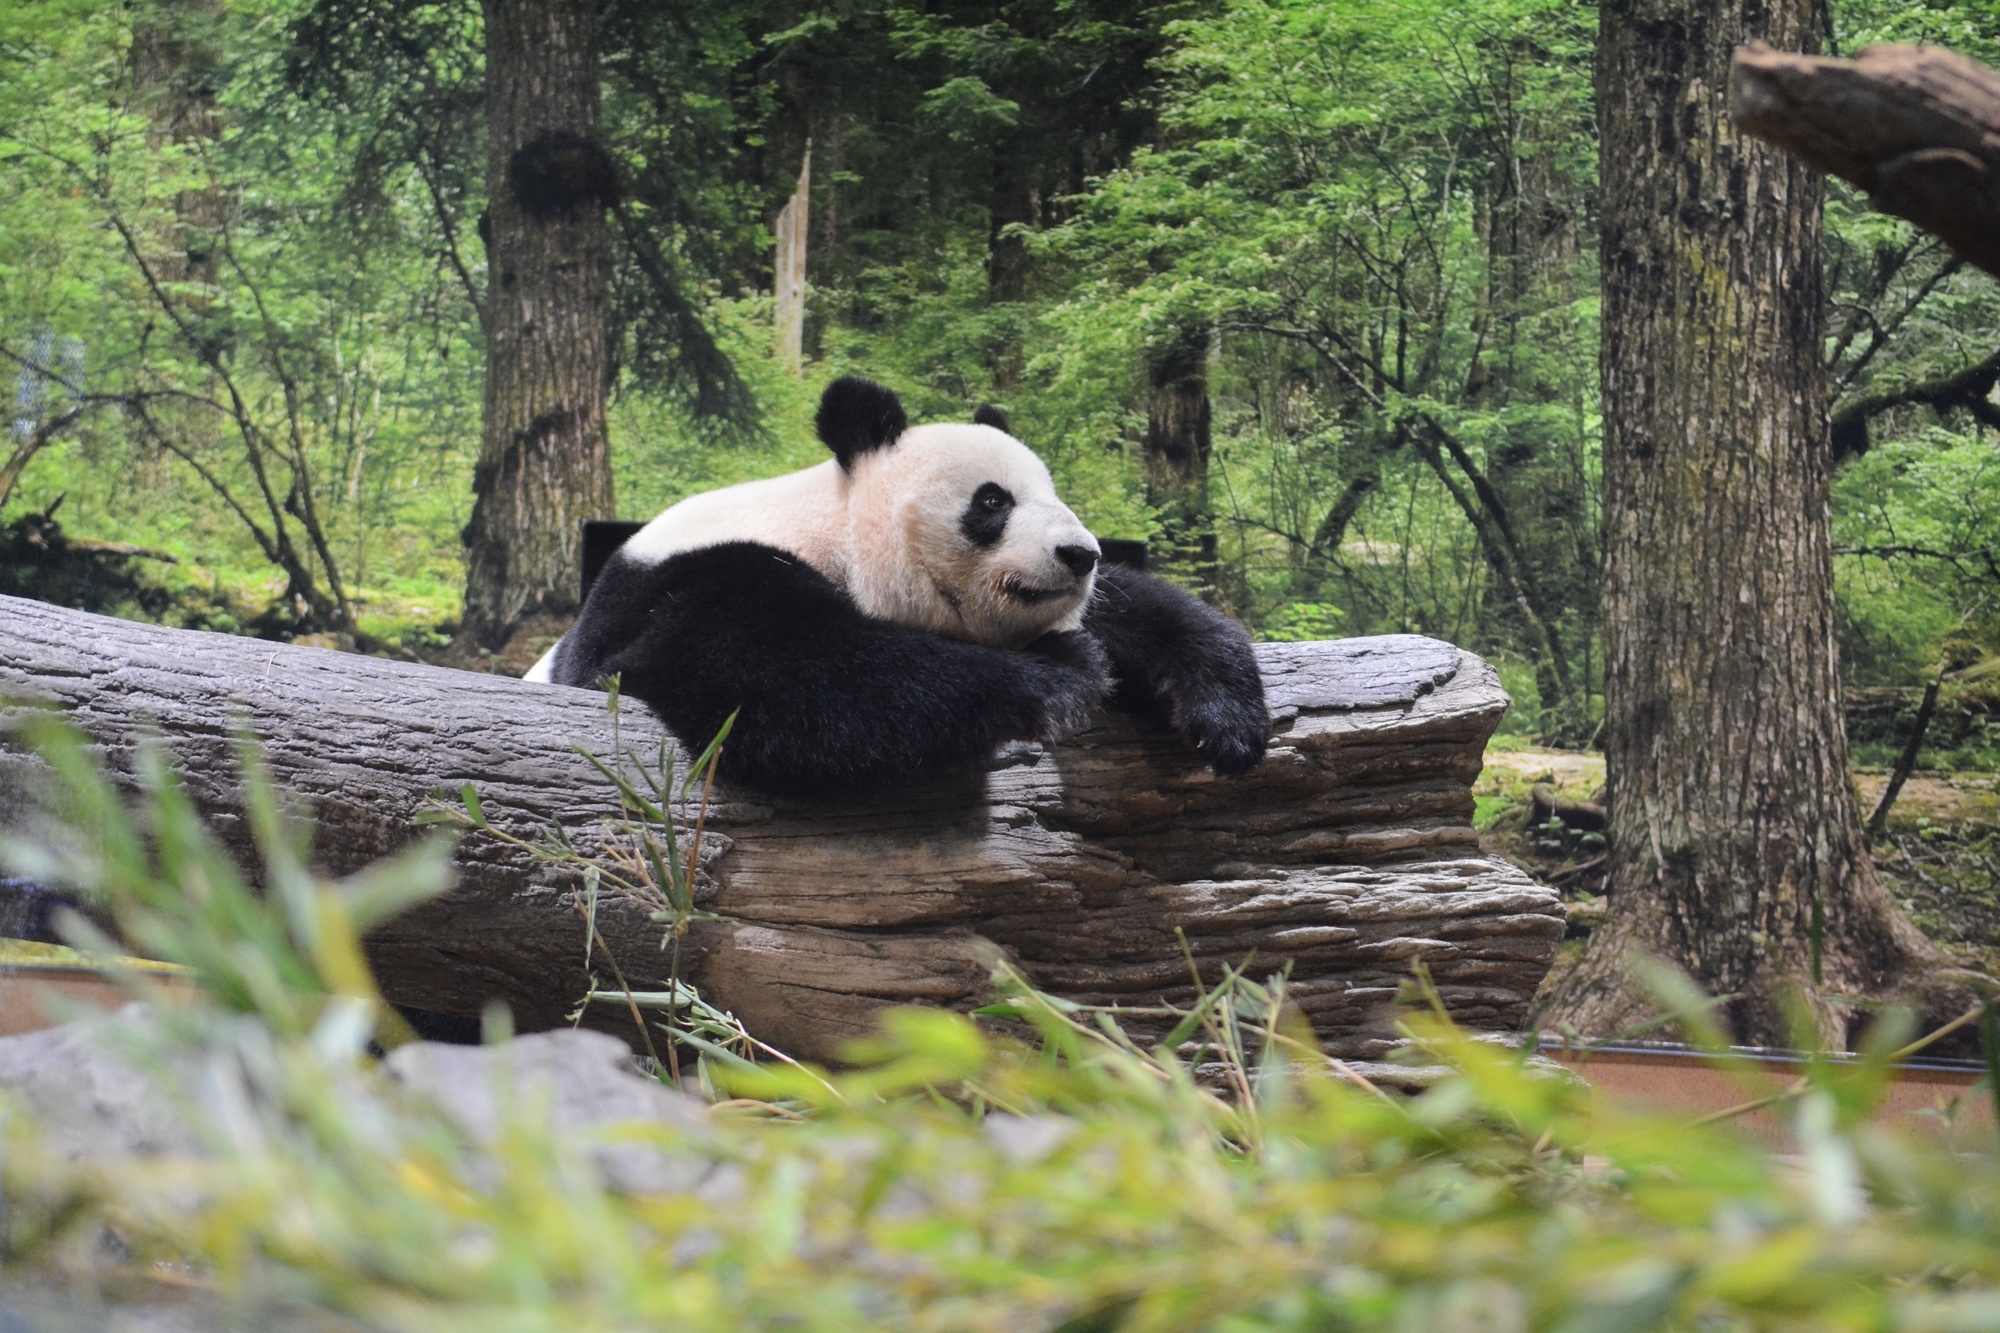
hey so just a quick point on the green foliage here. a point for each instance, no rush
(1916, 555)
(1970, 26)
(262, 373)
(1918, 515)
(959, 1179)
(1369, 226)
(1299, 621)
(1341, 206)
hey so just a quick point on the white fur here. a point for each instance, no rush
(908, 561)
(802, 512)
(888, 533)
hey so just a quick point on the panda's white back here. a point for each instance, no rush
(804, 512)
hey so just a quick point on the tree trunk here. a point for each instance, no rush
(1346, 854)
(1736, 849)
(1177, 446)
(173, 58)
(544, 462)
(1013, 201)
(1535, 466)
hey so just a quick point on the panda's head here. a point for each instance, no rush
(954, 528)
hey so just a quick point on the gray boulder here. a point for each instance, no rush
(89, 1104)
(584, 1082)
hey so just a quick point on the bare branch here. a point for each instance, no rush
(277, 544)
(450, 229)
(307, 511)
(1970, 390)
(43, 435)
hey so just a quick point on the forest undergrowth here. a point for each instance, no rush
(1939, 851)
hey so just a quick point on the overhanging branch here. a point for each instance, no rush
(1970, 390)
(1917, 127)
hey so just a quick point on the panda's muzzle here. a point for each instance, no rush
(1027, 596)
(1079, 560)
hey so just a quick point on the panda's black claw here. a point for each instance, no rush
(1234, 752)
(1229, 733)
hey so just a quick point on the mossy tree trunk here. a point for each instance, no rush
(1736, 849)
(544, 462)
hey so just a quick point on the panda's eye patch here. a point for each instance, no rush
(985, 516)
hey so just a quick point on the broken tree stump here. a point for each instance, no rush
(1346, 855)
(1917, 127)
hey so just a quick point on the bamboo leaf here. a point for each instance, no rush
(469, 794)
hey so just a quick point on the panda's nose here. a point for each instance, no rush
(1080, 559)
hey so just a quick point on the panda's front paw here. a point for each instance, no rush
(1074, 684)
(1228, 730)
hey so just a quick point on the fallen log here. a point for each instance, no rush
(1346, 855)
(1917, 127)
(1546, 801)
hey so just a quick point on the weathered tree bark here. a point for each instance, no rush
(1177, 448)
(1012, 201)
(544, 462)
(1735, 843)
(788, 267)
(1347, 854)
(1918, 127)
(1535, 470)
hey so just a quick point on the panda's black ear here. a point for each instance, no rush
(988, 415)
(856, 416)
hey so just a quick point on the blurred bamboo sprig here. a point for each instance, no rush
(1072, 1178)
(639, 859)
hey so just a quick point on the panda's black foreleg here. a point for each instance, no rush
(830, 702)
(1179, 658)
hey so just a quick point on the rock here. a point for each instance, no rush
(583, 1082)
(90, 1105)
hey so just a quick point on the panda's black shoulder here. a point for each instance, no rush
(635, 600)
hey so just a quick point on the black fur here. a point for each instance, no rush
(30, 911)
(988, 415)
(986, 514)
(833, 702)
(562, 175)
(856, 416)
(1184, 663)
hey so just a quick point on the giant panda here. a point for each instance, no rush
(895, 613)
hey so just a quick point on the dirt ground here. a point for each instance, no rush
(1940, 854)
